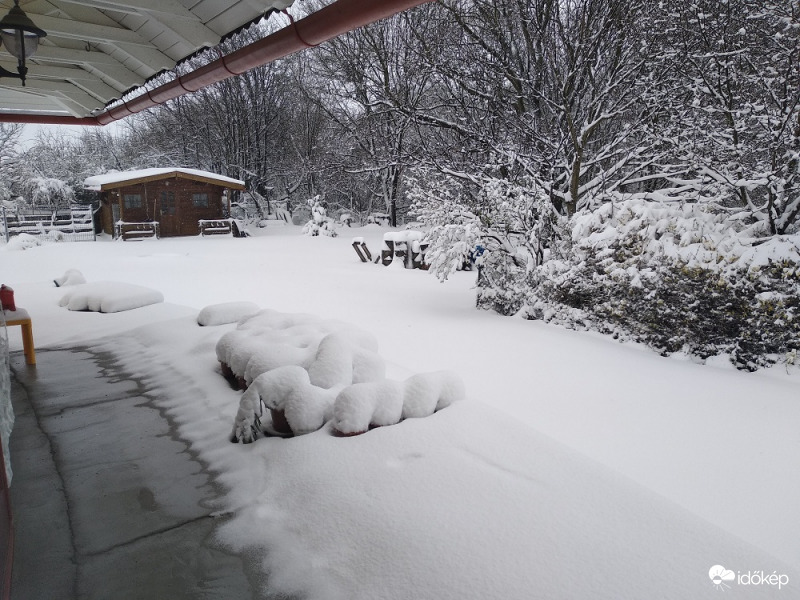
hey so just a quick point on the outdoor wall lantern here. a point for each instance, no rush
(21, 38)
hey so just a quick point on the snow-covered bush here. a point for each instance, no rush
(330, 350)
(23, 241)
(502, 284)
(70, 277)
(109, 297)
(507, 229)
(48, 192)
(320, 223)
(225, 312)
(295, 366)
(678, 277)
(286, 391)
(363, 406)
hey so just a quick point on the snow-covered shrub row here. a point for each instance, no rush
(362, 406)
(304, 370)
(678, 277)
(332, 351)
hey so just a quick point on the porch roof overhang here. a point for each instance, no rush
(95, 64)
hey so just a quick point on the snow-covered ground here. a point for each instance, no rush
(577, 467)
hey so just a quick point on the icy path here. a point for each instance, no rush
(109, 501)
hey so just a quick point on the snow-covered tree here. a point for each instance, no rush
(506, 229)
(48, 192)
(320, 223)
(545, 90)
(367, 82)
(731, 111)
(9, 154)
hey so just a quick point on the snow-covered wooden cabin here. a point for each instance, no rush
(163, 202)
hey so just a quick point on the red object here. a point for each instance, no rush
(7, 298)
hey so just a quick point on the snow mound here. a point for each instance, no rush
(343, 358)
(296, 406)
(23, 241)
(109, 297)
(70, 277)
(777, 250)
(303, 369)
(270, 339)
(363, 406)
(426, 393)
(225, 313)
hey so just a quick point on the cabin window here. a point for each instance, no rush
(200, 200)
(133, 201)
(167, 203)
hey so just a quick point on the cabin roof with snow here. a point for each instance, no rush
(110, 181)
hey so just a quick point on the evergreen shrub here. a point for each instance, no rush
(676, 278)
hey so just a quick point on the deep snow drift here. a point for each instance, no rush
(577, 467)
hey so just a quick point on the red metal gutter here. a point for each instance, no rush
(332, 21)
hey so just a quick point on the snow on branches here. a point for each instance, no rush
(507, 229)
(497, 215)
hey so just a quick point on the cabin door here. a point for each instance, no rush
(169, 214)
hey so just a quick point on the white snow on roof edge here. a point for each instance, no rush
(95, 182)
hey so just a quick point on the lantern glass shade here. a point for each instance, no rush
(20, 44)
(19, 34)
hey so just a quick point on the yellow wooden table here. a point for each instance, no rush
(22, 318)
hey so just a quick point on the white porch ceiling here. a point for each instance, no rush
(97, 50)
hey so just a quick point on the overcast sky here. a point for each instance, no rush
(30, 132)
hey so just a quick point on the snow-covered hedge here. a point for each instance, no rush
(304, 370)
(688, 277)
(362, 406)
(678, 277)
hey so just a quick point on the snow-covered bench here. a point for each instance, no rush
(360, 246)
(405, 245)
(215, 226)
(134, 230)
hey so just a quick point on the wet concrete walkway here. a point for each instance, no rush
(108, 502)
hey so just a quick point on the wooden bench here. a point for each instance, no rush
(418, 251)
(129, 230)
(215, 226)
(361, 249)
(405, 246)
(20, 317)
